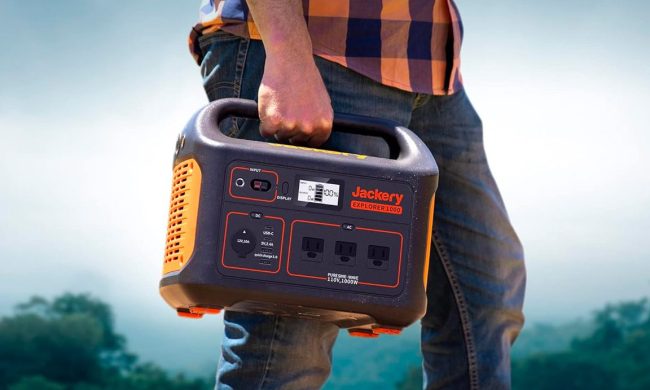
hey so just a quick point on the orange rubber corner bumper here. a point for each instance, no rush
(366, 333)
(204, 310)
(386, 330)
(187, 314)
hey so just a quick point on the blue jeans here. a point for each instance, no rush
(476, 277)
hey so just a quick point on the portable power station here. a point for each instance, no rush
(297, 231)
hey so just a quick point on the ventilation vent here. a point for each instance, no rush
(183, 209)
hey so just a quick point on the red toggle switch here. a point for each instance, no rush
(261, 185)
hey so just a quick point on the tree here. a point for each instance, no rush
(613, 357)
(36, 382)
(71, 343)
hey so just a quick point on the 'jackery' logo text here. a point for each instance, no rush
(392, 206)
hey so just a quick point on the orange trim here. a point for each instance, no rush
(399, 265)
(366, 333)
(225, 241)
(187, 314)
(277, 180)
(386, 330)
(425, 273)
(204, 310)
(183, 213)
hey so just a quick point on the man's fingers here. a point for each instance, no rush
(274, 125)
(319, 138)
(266, 130)
(313, 136)
(284, 134)
(320, 133)
(294, 131)
(305, 131)
(299, 139)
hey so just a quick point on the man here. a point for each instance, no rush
(393, 59)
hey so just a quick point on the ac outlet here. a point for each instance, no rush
(376, 252)
(345, 253)
(312, 249)
(318, 250)
(378, 257)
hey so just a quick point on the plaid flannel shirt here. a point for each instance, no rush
(413, 45)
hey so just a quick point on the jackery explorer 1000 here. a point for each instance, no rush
(297, 231)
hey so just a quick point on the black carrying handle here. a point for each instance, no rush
(403, 144)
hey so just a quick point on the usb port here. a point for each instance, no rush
(267, 251)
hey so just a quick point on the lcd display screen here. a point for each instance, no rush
(318, 192)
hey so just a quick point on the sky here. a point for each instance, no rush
(94, 92)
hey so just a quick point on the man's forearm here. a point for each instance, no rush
(281, 24)
(293, 103)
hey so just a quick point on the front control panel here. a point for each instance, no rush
(301, 227)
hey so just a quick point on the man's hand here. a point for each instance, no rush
(294, 105)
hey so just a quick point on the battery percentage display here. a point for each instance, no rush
(317, 192)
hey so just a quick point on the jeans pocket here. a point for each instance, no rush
(222, 69)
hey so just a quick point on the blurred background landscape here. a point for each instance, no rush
(94, 92)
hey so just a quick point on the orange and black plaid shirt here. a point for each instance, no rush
(412, 45)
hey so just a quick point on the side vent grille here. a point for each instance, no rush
(183, 210)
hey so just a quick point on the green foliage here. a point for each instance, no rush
(614, 356)
(71, 343)
(545, 338)
(36, 382)
(360, 363)
(565, 370)
(151, 377)
(610, 353)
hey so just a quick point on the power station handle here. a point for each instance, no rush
(403, 143)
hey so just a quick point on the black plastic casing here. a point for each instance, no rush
(205, 282)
